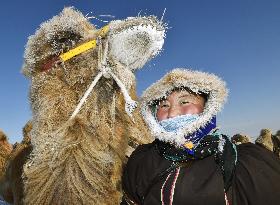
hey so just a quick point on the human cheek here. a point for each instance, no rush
(161, 114)
(191, 109)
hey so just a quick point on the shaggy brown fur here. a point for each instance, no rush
(77, 161)
(265, 139)
(240, 139)
(5, 150)
(11, 183)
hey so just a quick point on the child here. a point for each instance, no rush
(190, 161)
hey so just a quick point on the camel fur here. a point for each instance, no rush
(11, 182)
(5, 150)
(265, 139)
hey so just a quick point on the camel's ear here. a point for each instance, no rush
(134, 41)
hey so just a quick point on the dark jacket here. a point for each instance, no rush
(255, 181)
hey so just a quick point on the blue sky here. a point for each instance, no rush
(239, 40)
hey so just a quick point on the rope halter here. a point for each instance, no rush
(103, 67)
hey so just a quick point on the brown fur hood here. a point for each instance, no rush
(196, 81)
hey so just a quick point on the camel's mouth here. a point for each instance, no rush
(135, 40)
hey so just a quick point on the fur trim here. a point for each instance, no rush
(196, 81)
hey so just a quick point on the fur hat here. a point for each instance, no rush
(197, 82)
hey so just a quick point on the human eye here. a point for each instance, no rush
(164, 104)
(184, 102)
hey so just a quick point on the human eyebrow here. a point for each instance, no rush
(185, 95)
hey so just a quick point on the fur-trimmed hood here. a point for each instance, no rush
(196, 81)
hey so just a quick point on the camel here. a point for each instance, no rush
(85, 120)
(5, 151)
(265, 139)
(240, 139)
(11, 182)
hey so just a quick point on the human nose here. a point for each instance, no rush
(173, 112)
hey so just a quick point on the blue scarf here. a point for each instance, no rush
(199, 134)
(174, 124)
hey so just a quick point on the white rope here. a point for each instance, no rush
(105, 71)
(130, 104)
(84, 98)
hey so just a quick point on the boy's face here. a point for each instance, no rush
(180, 103)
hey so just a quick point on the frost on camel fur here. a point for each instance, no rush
(77, 156)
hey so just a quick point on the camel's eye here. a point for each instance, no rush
(61, 42)
(65, 40)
